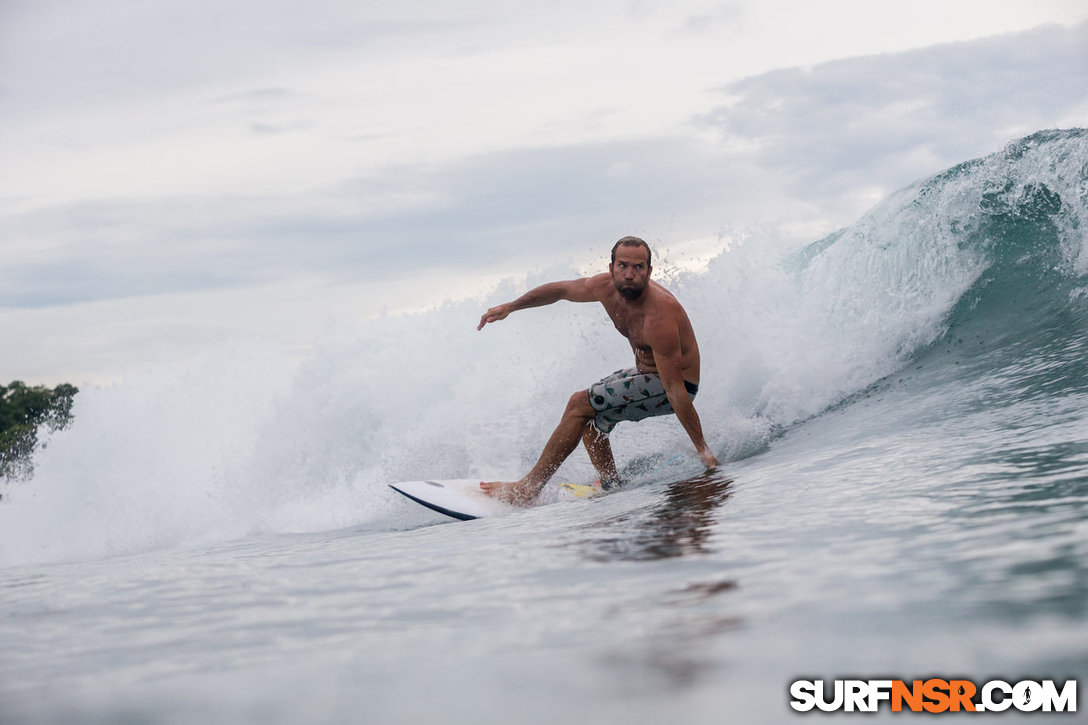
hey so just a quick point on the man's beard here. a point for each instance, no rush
(632, 292)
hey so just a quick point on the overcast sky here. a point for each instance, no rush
(179, 173)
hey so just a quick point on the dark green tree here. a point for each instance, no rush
(23, 409)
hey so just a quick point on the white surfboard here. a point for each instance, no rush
(463, 499)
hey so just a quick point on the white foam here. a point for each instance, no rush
(245, 440)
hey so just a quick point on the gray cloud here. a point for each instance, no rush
(707, 22)
(887, 120)
(522, 205)
(57, 54)
(809, 140)
(259, 96)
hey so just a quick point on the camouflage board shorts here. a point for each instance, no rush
(630, 395)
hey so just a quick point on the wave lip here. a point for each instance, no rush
(995, 248)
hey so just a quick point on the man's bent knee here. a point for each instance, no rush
(579, 406)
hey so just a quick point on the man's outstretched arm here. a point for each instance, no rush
(573, 290)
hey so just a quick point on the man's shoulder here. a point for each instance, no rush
(665, 303)
(599, 283)
(666, 315)
(585, 289)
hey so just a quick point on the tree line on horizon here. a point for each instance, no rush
(23, 411)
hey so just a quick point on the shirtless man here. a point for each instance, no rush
(664, 380)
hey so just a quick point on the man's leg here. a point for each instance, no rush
(562, 443)
(600, 454)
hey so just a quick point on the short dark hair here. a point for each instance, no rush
(632, 242)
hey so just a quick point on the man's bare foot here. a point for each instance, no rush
(519, 493)
(607, 484)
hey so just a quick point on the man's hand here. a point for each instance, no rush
(495, 314)
(708, 458)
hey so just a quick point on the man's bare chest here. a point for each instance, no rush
(631, 325)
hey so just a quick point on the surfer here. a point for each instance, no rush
(664, 380)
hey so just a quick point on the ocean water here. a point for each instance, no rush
(902, 409)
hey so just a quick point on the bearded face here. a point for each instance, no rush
(630, 271)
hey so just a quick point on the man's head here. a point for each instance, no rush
(630, 267)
